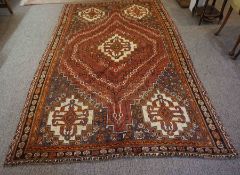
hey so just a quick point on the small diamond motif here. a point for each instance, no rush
(91, 14)
(117, 47)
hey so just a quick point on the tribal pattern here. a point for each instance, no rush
(116, 81)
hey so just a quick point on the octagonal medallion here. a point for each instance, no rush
(117, 47)
(136, 11)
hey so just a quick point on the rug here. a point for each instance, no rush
(116, 81)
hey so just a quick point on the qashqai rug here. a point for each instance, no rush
(116, 81)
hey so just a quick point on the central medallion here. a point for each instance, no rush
(117, 47)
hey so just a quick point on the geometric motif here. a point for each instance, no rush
(91, 14)
(117, 47)
(136, 11)
(167, 115)
(69, 119)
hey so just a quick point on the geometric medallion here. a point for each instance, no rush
(136, 11)
(117, 47)
(91, 14)
(69, 119)
(166, 115)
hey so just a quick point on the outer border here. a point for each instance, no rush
(9, 161)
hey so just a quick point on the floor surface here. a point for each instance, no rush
(23, 39)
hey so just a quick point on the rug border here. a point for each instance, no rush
(187, 58)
